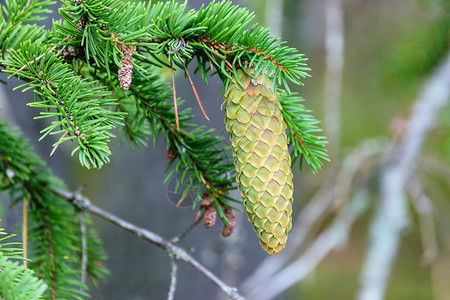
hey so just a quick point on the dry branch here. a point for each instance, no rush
(174, 252)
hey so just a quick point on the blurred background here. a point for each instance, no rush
(370, 60)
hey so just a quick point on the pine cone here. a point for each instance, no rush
(209, 218)
(229, 229)
(257, 133)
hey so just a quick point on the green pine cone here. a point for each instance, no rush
(257, 133)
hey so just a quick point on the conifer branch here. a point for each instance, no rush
(17, 281)
(54, 237)
(81, 109)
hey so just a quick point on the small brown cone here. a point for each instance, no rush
(125, 73)
(229, 229)
(209, 217)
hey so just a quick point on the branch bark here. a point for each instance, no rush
(173, 279)
(172, 250)
(391, 216)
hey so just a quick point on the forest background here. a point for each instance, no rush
(370, 60)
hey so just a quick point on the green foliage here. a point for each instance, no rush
(217, 34)
(55, 244)
(59, 91)
(10, 250)
(13, 14)
(16, 281)
(302, 128)
(418, 53)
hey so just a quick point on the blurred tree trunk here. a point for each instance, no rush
(334, 62)
(274, 16)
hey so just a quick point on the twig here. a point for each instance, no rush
(181, 236)
(173, 279)
(173, 250)
(424, 208)
(84, 258)
(40, 56)
(25, 230)
(392, 214)
(56, 146)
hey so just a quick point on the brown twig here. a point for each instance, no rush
(40, 56)
(25, 230)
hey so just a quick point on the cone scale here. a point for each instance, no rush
(259, 142)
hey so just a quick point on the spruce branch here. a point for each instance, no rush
(302, 132)
(79, 105)
(12, 16)
(54, 231)
(216, 36)
(22, 11)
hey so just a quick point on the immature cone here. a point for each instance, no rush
(259, 142)
(126, 71)
(229, 229)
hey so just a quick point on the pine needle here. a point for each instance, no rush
(56, 147)
(175, 99)
(196, 94)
